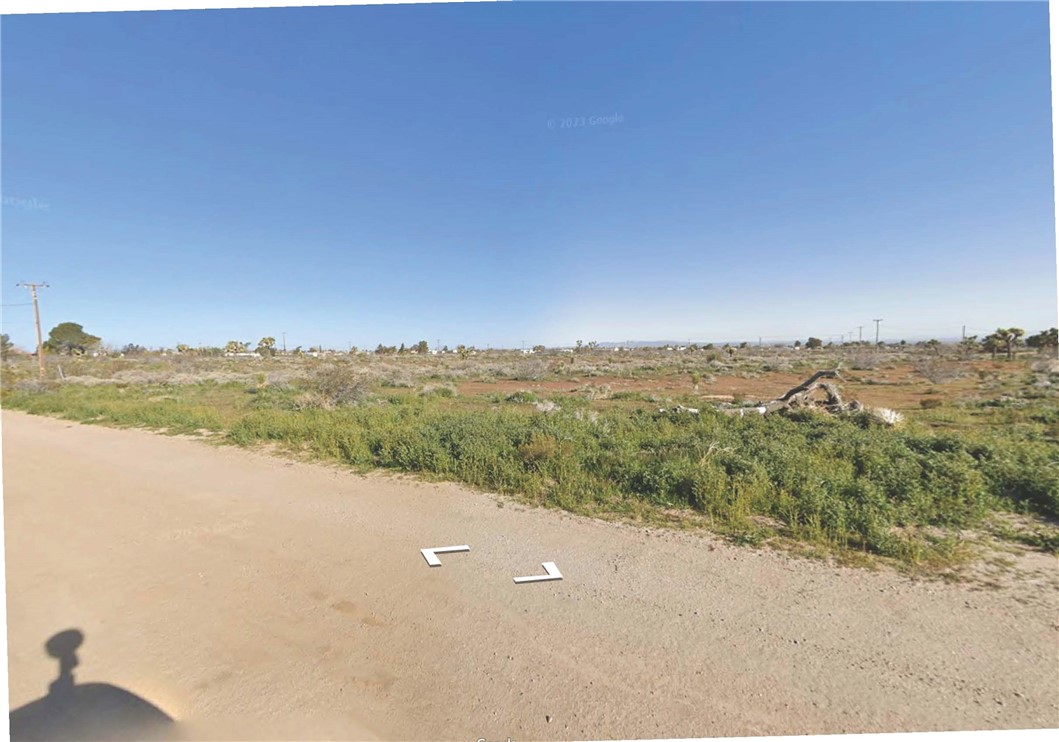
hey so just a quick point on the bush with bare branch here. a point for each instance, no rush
(533, 370)
(938, 371)
(339, 385)
(865, 361)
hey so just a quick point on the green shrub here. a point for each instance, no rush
(844, 482)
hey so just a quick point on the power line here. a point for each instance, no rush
(877, 321)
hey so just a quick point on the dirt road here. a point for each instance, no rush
(230, 587)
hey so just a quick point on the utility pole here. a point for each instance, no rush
(284, 343)
(36, 315)
(963, 333)
(860, 334)
(876, 321)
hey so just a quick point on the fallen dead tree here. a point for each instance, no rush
(819, 395)
(802, 396)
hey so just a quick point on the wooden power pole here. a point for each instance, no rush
(36, 316)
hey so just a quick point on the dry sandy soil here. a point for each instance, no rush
(241, 592)
(898, 386)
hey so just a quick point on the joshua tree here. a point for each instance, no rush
(1044, 339)
(266, 346)
(968, 346)
(1006, 339)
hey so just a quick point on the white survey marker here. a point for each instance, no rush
(431, 554)
(549, 567)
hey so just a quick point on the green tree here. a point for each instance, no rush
(70, 338)
(235, 346)
(813, 343)
(934, 345)
(422, 347)
(6, 346)
(183, 348)
(538, 348)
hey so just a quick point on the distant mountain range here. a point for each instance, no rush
(751, 342)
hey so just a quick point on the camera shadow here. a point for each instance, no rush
(87, 711)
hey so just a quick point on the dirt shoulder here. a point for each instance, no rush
(221, 584)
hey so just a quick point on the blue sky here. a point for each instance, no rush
(390, 174)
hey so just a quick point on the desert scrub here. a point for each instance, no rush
(592, 392)
(534, 370)
(335, 386)
(437, 390)
(839, 483)
(630, 396)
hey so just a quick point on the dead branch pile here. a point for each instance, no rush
(802, 396)
(815, 394)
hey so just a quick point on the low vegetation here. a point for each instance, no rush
(978, 440)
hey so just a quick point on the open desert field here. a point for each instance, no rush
(965, 469)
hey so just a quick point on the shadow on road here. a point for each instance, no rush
(90, 711)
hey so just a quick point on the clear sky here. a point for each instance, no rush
(391, 174)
